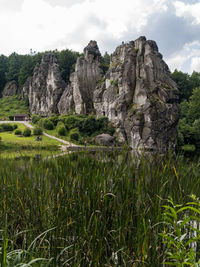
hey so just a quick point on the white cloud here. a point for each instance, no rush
(50, 24)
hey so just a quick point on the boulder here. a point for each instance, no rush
(10, 89)
(105, 140)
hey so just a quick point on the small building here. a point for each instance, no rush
(21, 117)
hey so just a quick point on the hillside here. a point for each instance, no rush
(12, 105)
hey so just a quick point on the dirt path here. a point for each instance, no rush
(48, 135)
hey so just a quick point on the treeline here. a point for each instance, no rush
(20, 67)
(189, 123)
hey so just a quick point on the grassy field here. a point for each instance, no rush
(15, 146)
(92, 210)
(12, 105)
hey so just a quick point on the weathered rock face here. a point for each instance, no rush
(139, 96)
(10, 89)
(105, 140)
(45, 88)
(88, 71)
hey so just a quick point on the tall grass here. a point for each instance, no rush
(91, 210)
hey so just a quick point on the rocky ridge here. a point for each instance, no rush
(137, 93)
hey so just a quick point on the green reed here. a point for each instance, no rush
(90, 210)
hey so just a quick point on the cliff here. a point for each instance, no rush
(137, 93)
(88, 71)
(45, 88)
(139, 96)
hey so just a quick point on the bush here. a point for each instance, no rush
(11, 118)
(7, 127)
(37, 130)
(18, 132)
(27, 132)
(15, 126)
(74, 135)
(35, 118)
(54, 119)
(47, 124)
(62, 131)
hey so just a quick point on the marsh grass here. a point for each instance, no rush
(91, 210)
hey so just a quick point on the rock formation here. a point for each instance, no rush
(137, 93)
(10, 89)
(45, 88)
(88, 71)
(139, 96)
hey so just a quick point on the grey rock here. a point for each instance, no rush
(45, 88)
(139, 97)
(10, 89)
(88, 71)
(105, 140)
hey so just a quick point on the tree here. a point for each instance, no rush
(194, 105)
(3, 70)
(183, 83)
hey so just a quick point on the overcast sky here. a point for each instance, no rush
(59, 24)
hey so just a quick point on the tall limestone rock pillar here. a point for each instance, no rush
(88, 71)
(45, 88)
(139, 96)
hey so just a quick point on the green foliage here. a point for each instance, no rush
(12, 105)
(35, 118)
(66, 60)
(48, 124)
(61, 130)
(181, 233)
(186, 83)
(18, 132)
(37, 130)
(94, 209)
(3, 70)
(27, 132)
(54, 119)
(106, 62)
(74, 134)
(7, 127)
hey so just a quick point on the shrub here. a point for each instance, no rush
(62, 130)
(54, 119)
(27, 132)
(18, 132)
(37, 130)
(11, 118)
(35, 118)
(7, 127)
(74, 137)
(74, 134)
(89, 125)
(15, 126)
(48, 125)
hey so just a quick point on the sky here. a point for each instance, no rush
(43, 25)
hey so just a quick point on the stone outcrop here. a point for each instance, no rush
(139, 96)
(105, 140)
(88, 71)
(45, 88)
(10, 89)
(137, 93)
